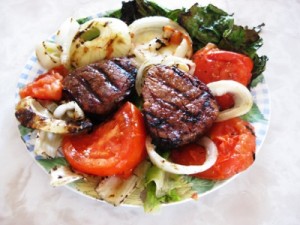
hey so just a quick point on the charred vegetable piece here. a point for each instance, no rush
(32, 114)
(116, 189)
(98, 39)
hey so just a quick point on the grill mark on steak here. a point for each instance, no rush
(178, 108)
(103, 73)
(100, 87)
(88, 87)
(125, 65)
(80, 93)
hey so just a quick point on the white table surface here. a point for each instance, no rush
(267, 193)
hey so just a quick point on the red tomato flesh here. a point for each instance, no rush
(213, 64)
(47, 86)
(115, 147)
(235, 141)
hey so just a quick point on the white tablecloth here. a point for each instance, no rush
(267, 193)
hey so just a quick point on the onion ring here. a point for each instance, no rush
(242, 98)
(162, 163)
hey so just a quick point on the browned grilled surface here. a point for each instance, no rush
(178, 107)
(100, 87)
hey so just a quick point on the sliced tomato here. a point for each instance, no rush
(47, 86)
(113, 148)
(235, 141)
(213, 64)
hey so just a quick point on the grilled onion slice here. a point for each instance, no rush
(98, 39)
(162, 163)
(48, 54)
(32, 114)
(153, 36)
(242, 98)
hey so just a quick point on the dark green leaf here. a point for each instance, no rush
(115, 14)
(136, 9)
(254, 115)
(205, 24)
(83, 20)
(259, 65)
(241, 39)
(257, 80)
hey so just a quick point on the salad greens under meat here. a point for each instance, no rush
(206, 27)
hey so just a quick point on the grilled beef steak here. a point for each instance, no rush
(178, 107)
(100, 87)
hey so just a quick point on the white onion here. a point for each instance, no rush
(148, 33)
(162, 163)
(242, 98)
(182, 63)
(71, 109)
(48, 54)
(47, 144)
(62, 175)
(64, 38)
(113, 40)
(115, 189)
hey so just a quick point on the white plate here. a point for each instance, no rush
(32, 69)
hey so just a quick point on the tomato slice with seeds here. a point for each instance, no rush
(115, 147)
(213, 64)
(235, 141)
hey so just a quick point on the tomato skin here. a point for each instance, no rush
(235, 141)
(47, 86)
(115, 147)
(213, 64)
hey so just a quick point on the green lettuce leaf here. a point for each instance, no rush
(254, 115)
(48, 164)
(163, 187)
(200, 185)
(24, 130)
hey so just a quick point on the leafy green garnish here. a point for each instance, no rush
(205, 24)
(163, 187)
(24, 130)
(200, 185)
(256, 81)
(254, 115)
(83, 20)
(259, 65)
(48, 164)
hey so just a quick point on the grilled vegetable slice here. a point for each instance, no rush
(242, 98)
(98, 39)
(32, 114)
(162, 163)
(154, 36)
